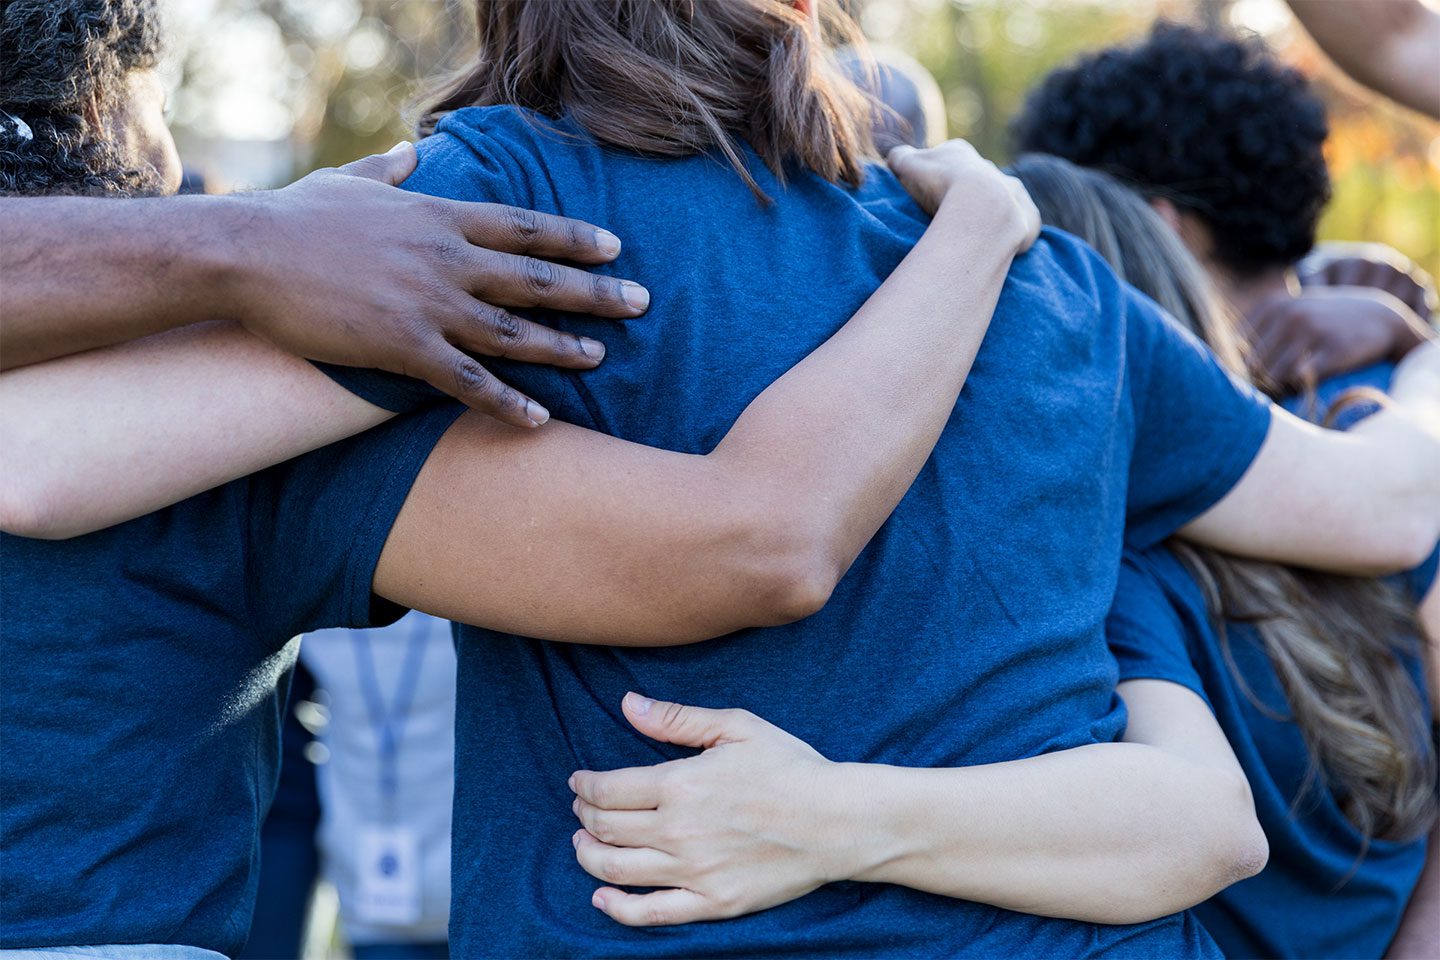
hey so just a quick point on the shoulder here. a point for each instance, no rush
(498, 154)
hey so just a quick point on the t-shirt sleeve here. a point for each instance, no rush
(317, 525)
(1197, 428)
(1147, 635)
(460, 161)
(1418, 583)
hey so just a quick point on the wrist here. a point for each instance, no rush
(233, 252)
(988, 222)
(857, 839)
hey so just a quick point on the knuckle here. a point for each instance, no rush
(503, 325)
(656, 915)
(522, 225)
(673, 714)
(613, 871)
(541, 276)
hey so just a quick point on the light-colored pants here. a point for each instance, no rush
(117, 951)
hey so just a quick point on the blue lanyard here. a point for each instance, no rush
(389, 722)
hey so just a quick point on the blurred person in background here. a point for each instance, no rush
(1227, 144)
(912, 109)
(133, 833)
(387, 782)
(289, 857)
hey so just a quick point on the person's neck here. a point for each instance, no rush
(1245, 292)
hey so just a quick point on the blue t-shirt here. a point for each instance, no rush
(143, 678)
(1316, 897)
(969, 631)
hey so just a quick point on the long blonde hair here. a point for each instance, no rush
(1335, 642)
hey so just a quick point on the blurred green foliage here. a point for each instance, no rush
(353, 65)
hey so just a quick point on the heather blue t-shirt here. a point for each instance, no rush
(144, 674)
(1317, 897)
(969, 631)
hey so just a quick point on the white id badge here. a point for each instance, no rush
(388, 892)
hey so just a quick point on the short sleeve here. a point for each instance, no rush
(1419, 582)
(317, 525)
(1146, 632)
(1197, 429)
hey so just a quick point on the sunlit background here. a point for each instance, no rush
(266, 90)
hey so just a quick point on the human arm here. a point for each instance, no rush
(1366, 501)
(1419, 935)
(1327, 330)
(1389, 46)
(655, 548)
(1374, 265)
(589, 537)
(339, 266)
(1106, 833)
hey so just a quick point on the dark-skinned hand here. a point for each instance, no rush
(342, 267)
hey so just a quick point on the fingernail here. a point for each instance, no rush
(635, 295)
(638, 705)
(597, 901)
(398, 147)
(571, 783)
(607, 243)
(593, 349)
(575, 839)
(536, 413)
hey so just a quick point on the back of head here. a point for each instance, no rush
(1135, 241)
(910, 108)
(1332, 640)
(63, 65)
(1211, 122)
(675, 78)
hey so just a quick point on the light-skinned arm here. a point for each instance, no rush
(340, 266)
(1106, 833)
(1419, 935)
(569, 533)
(1365, 501)
(1389, 46)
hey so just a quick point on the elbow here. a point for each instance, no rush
(791, 571)
(1242, 849)
(797, 587)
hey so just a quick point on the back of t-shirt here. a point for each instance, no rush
(969, 630)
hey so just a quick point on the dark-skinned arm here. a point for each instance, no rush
(340, 267)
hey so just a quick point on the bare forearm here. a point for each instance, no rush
(1419, 935)
(602, 541)
(1387, 45)
(98, 438)
(1107, 833)
(81, 273)
(835, 443)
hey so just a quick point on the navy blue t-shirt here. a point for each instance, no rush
(969, 631)
(1316, 897)
(143, 677)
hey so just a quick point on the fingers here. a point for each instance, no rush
(516, 281)
(494, 332)
(624, 866)
(516, 230)
(1029, 213)
(634, 788)
(391, 167)
(621, 828)
(658, 909)
(686, 725)
(450, 371)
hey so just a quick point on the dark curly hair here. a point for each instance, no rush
(1212, 122)
(55, 56)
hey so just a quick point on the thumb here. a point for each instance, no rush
(685, 725)
(391, 167)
